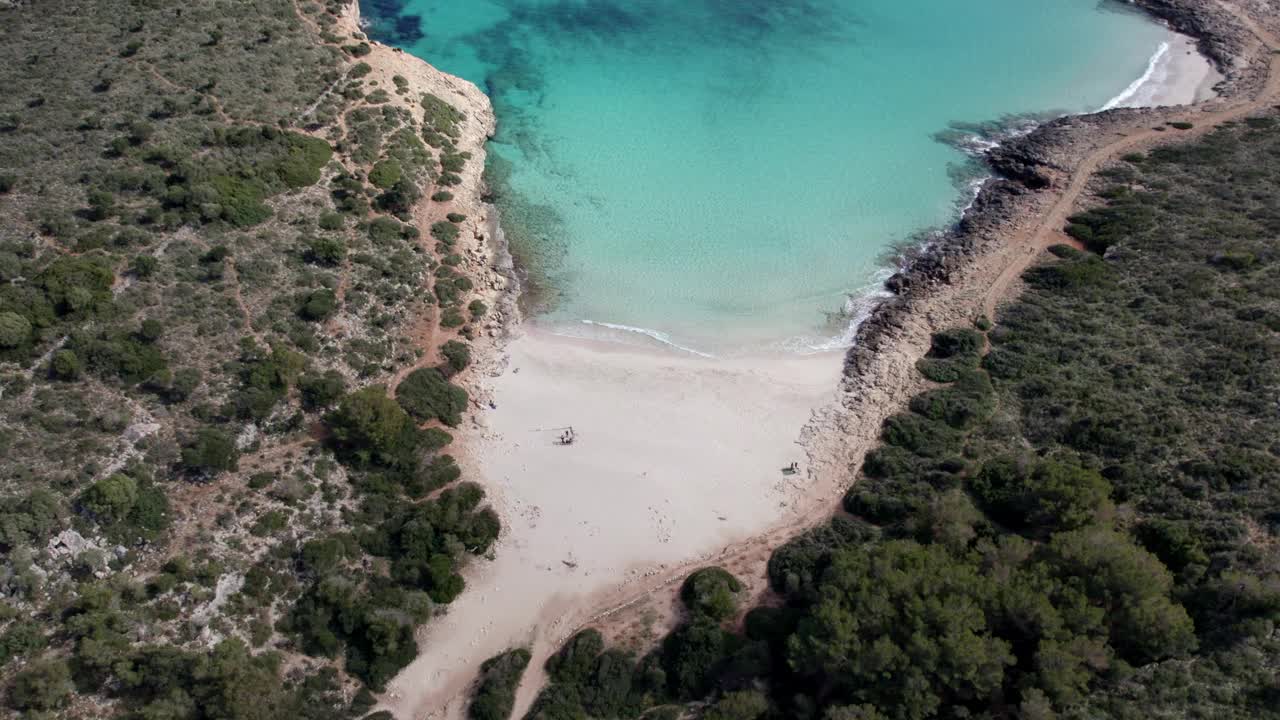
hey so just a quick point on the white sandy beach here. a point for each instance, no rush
(1179, 75)
(676, 458)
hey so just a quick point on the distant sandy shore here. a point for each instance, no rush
(677, 461)
(1185, 77)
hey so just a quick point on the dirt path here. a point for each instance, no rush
(636, 615)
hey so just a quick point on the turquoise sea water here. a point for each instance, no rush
(726, 173)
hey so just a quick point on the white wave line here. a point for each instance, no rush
(858, 306)
(1136, 85)
(661, 337)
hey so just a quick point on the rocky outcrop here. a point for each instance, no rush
(1028, 166)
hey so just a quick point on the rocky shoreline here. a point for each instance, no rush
(1027, 168)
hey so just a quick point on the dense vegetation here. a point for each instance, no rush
(1078, 523)
(211, 505)
(495, 693)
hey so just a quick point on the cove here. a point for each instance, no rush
(727, 176)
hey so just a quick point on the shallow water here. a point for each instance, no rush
(724, 174)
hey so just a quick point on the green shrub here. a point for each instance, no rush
(427, 395)
(922, 436)
(240, 200)
(328, 251)
(150, 330)
(443, 470)
(15, 330)
(500, 675)
(143, 266)
(111, 499)
(1067, 252)
(940, 371)
(371, 429)
(691, 654)
(65, 365)
(123, 356)
(76, 285)
(269, 523)
(895, 600)
(442, 196)
(385, 230)
(446, 291)
(433, 439)
(558, 702)
(962, 405)
(21, 638)
(796, 567)
(711, 592)
(211, 452)
(452, 162)
(216, 254)
(1100, 228)
(457, 355)
(330, 221)
(956, 342)
(304, 159)
(444, 231)
(322, 390)
(102, 205)
(574, 661)
(455, 217)
(185, 381)
(477, 309)
(44, 686)
(451, 318)
(400, 199)
(1174, 542)
(1043, 497)
(1080, 274)
(739, 705)
(440, 120)
(385, 173)
(319, 305)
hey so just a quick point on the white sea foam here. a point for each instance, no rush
(858, 306)
(658, 335)
(1155, 66)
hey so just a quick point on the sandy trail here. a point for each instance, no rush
(685, 471)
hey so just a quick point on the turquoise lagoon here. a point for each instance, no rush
(729, 176)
